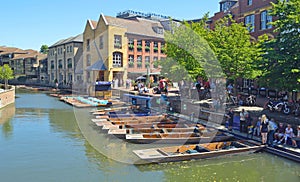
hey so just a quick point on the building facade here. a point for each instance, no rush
(25, 64)
(63, 57)
(253, 13)
(117, 48)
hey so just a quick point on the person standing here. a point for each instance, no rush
(230, 115)
(271, 131)
(264, 129)
(257, 127)
(243, 121)
(249, 123)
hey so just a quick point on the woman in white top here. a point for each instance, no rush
(288, 134)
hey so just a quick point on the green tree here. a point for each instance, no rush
(188, 47)
(171, 69)
(44, 49)
(234, 49)
(282, 58)
(6, 74)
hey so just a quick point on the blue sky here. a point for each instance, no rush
(28, 24)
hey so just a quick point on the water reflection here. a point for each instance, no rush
(6, 114)
(254, 167)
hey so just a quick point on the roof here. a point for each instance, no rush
(137, 26)
(93, 24)
(77, 38)
(9, 50)
(34, 54)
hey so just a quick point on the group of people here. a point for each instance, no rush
(271, 133)
(267, 129)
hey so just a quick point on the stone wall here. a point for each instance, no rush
(7, 97)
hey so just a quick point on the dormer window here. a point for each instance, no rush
(160, 30)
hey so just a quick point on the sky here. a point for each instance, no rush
(28, 24)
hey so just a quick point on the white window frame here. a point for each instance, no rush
(117, 59)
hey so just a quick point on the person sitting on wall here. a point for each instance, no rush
(297, 138)
(279, 133)
(289, 134)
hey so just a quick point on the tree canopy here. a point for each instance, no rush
(44, 49)
(6, 73)
(226, 51)
(282, 56)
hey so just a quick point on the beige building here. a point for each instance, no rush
(63, 57)
(7, 53)
(27, 65)
(24, 63)
(115, 48)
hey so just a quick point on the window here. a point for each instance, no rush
(71, 47)
(139, 46)
(117, 59)
(131, 44)
(101, 42)
(250, 22)
(88, 60)
(60, 64)
(52, 64)
(118, 41)
(147, 46)
(88, 45)
(139, 61)
(154, 60)
(162, 48)
(269, 20)
(147, 61)
(249, 2)
(130, 61)
(265, 20)
(69, 63)
(155, 47)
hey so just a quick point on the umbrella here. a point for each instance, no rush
(141, 78)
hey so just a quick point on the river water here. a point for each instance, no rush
(43, 139)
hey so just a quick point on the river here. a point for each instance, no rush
(43, 139)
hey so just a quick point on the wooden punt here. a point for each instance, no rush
(199, 151)
(129, 118)
(103, 111)
(178, 138)
(121, 133)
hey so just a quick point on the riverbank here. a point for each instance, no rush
(7, 96)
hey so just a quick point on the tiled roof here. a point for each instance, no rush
(35, 54)
(138, 26)
(9, 50)
(77, 38)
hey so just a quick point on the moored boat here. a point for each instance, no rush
(199, 151)
(121, 133)
(178, 138)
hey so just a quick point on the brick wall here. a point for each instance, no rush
(7, 97)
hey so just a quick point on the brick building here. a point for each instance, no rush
(253, 13)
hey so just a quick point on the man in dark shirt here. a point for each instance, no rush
(279, 133)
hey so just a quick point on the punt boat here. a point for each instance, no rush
(178, 138)
(198, 151)
(121, 133)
